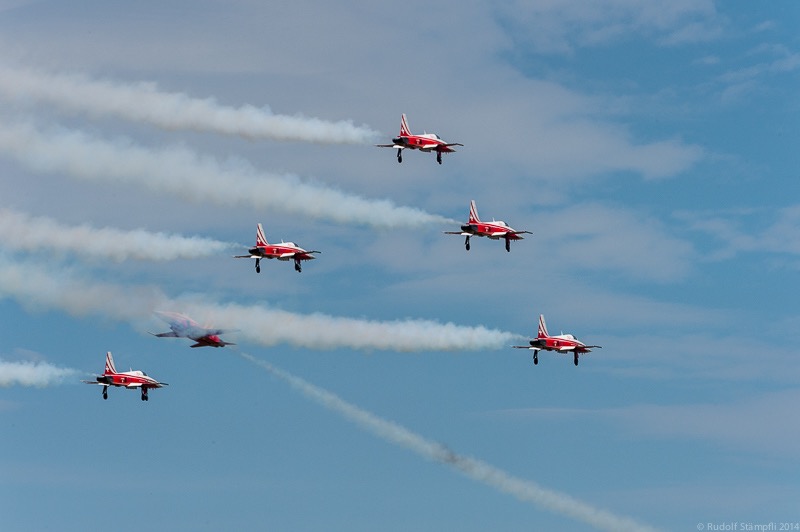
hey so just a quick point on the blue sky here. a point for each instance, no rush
(651, 150)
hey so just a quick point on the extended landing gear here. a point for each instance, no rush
(144, 395)
(576, 359)
(439, 157)
(508, 244)
(105, 392)
(400, 155)
(297, 266)
(466, 243)
(258, 265)
(535, 358)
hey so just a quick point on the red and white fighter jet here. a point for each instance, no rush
(563, 343)
(182, 326)
(495, 229)
(427, 142)
(127, 379)
(282, 251)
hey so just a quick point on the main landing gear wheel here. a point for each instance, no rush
(258, 265)
(439, 157)
(399, 156)
(144, 396)
(105, 394)
(508, 244)
(466, 243)
(535, 359)
(576, 359)
(297, 266)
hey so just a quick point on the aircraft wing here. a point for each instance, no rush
(134, 385)
(462, 233)
(95, 382)
(396, 146)
(171, 334)
(516, 234)
(445, 147)
(247, 257)
(298, 254)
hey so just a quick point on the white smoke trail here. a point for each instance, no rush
(183, 172)
(35, 288)
(38, 374)
(473, 468)
(19, 231)
(31, 286)
(144, 102)
(269, 327)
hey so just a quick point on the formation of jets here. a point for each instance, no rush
(181, 326)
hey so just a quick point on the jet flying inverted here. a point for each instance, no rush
(495, 229)
(426, 142)
(563, 343)
(282, 251)
(185, 327)
(127, 379)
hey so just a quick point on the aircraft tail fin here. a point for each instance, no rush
(473, 213)
(542, 327)
(261, 239)
(404, 131)
(110, 363)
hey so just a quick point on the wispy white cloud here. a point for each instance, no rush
(193, 177)
(746, 232)
(26, 373)
(599, 237)
(20, 231)
(739, 82)
(765, 423)
(144, 102)
(561, 26)
(524, 490)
